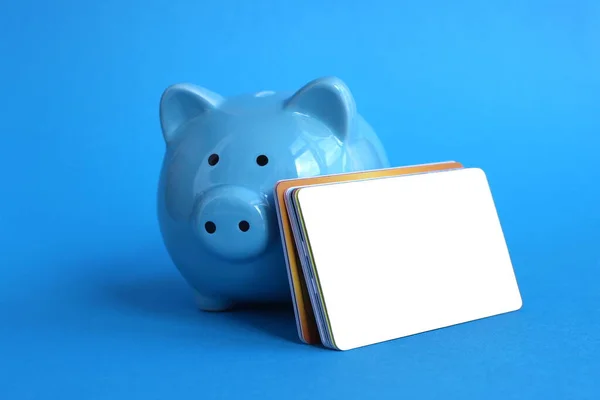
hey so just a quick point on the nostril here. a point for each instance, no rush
(210, 227)
(244, 226)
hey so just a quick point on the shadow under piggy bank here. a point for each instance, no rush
(145, 294)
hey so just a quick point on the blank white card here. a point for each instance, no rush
(403, 255)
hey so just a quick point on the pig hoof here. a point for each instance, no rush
(205, 303)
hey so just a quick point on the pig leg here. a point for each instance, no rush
(207, 303)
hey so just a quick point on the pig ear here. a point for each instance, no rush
(181, 102)
(328, 100)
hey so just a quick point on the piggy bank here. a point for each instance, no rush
(223, 156)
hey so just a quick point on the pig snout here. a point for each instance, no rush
(233, 222)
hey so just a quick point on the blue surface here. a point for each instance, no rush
(92, 308)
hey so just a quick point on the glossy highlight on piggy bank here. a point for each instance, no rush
(222, 159)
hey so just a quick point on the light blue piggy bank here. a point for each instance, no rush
(223, 157)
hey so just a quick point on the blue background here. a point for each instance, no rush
(91, 306)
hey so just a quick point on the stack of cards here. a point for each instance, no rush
(379, 255)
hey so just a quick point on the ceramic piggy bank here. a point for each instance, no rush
(223, 157)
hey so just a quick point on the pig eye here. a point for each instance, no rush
(262, 160)
(213, 159)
